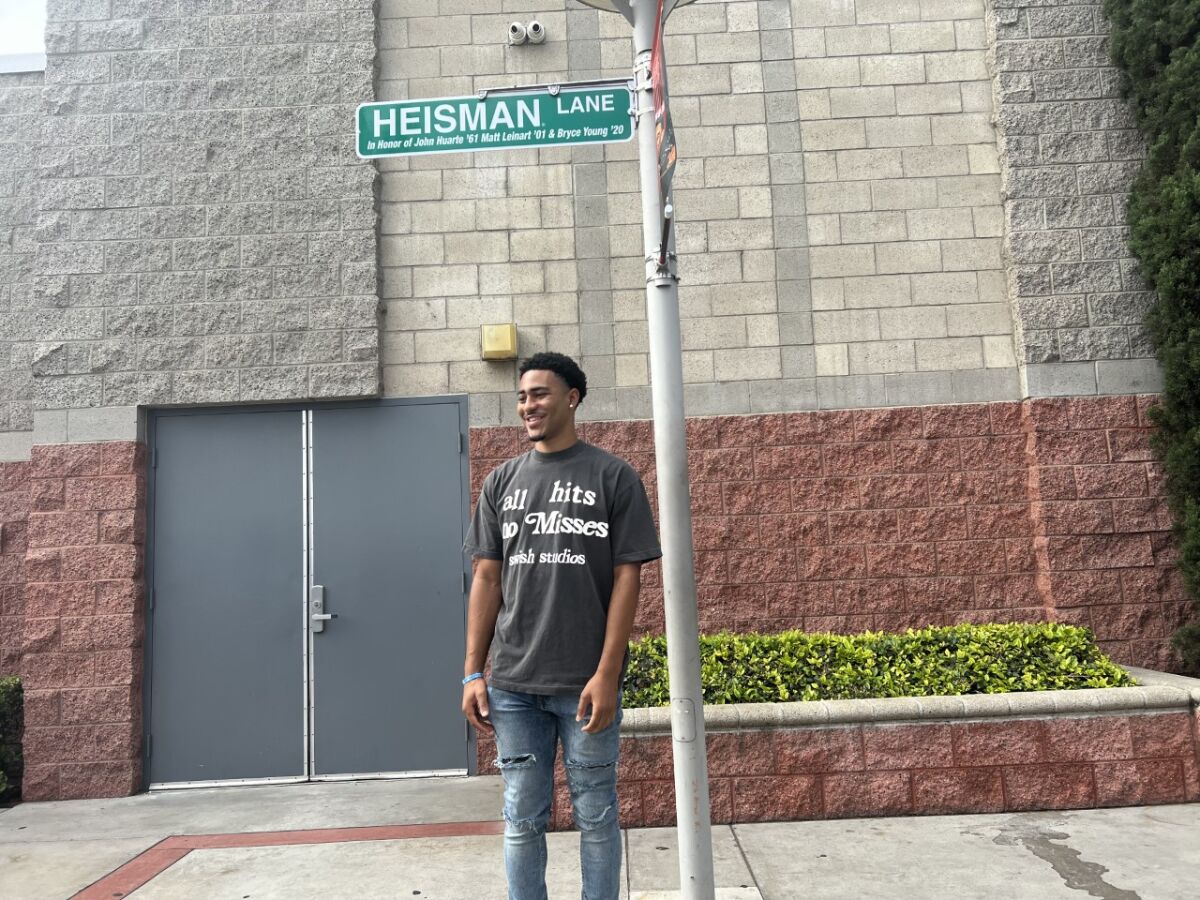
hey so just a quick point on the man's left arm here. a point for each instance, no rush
(600, 693)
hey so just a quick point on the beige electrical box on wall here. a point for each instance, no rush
(500, 341)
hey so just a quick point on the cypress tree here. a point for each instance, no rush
(1157, 44)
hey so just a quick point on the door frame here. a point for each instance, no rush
(304, 409)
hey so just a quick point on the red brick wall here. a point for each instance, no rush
(884, 519)
(1003, 765)
(14, 511)
(836, 521)
(995, 765)
(84, 619)
(1102, 527)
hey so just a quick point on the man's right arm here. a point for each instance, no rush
(483, 607)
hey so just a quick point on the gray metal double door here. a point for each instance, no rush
(307, 593)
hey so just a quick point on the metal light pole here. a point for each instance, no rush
(674, 505)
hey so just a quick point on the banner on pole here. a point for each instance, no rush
(664, 132)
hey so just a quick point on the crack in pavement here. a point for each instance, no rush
(1077, 873)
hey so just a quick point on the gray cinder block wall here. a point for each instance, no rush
(882, 202)
(1070, 150)
(20, 130)
(869, 214)
(838, 193)
(204, 231)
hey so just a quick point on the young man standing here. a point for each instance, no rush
(558, 538)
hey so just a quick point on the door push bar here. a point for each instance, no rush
(316, 608)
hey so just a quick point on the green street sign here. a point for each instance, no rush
(497, 120)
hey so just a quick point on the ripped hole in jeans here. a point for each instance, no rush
(525, 761)
(593, 794)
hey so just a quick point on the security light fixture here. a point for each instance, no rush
(498, 341)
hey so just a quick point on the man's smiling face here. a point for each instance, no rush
(545, 405)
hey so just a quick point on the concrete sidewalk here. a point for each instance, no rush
(408, 839)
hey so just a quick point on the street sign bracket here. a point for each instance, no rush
(664, 253)
(554, 87)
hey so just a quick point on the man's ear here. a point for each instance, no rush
(573, 398)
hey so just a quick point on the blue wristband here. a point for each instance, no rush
(472, 677)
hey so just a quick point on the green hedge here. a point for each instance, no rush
(963, 659)
(11, 715)
(1157, 44)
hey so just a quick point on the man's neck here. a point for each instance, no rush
(559, 442)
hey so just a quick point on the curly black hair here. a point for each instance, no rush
(561, 365)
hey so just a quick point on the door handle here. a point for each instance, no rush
(316, 609)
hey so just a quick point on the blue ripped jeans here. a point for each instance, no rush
(528, 729)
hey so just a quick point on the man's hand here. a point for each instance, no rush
(475, 704)
(601, 695)
(601, 692)
(483, 605)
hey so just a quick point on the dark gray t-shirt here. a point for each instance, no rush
(559, 523)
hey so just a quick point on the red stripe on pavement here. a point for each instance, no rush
(331, 835)
(167, 852)
(133, 874)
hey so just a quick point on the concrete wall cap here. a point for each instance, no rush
(1150, 678)
(723, 719)
(941, 707)
(1156, 691)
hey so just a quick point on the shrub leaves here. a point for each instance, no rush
(963, 659)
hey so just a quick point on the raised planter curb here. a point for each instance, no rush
(1149, 677)
(1156, 691)
(985, 753)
